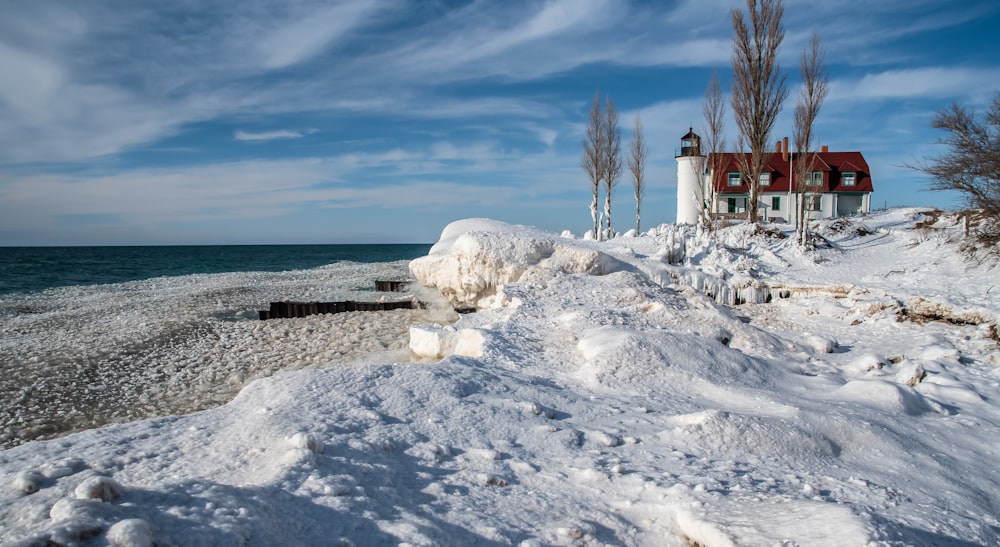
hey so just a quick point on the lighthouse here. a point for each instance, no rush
(690, 167)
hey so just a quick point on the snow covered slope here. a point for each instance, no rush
(598, 397)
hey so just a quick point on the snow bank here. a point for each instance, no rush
(434, 342)
(475, 257)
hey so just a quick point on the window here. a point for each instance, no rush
(815, 178)
(734, 179)
(775, 203)
(814, 203)
(765, 179)
(848, 178)
(731, 202)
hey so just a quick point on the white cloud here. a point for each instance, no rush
(395, 178)
(241, 135)
(686, 53)
(311, 31)
(30, 80)
(925, 82)
(424, 194)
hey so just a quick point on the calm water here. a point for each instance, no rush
(29, 269)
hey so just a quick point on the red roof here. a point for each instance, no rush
(831, 164)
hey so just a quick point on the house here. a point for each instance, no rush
(838, 184)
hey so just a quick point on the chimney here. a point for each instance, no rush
(784, 149)
(826, 148)
(777, 147)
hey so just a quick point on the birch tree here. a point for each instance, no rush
(714, 109)
(758, 88)
(612, 157)
(593, 157)
(637, 166)
(815, 87)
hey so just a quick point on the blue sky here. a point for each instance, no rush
(200, 121)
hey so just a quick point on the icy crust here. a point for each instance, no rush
(475, 257)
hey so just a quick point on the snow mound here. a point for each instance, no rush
(475, 257)
(435, 342)
(27, 482)
(621, 358)
(130, 533)
(887, 396)
(810, 523)
(98, 488)
(821, 344)
(739, 434)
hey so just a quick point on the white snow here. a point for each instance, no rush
(605, 393)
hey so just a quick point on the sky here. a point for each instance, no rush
(381, 121)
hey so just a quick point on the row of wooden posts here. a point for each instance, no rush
(286, 309)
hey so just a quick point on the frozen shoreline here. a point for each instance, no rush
(82, 357)
(585, 406)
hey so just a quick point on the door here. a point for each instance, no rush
(848, 204)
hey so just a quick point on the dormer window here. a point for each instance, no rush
(848, 178)
(815, 178)
(765, 178)
(734, 178)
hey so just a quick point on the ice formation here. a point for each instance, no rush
(474, 258)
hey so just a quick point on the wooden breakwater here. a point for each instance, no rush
(391, 286)
(286, 309)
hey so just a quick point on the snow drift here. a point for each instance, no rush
(474, 257)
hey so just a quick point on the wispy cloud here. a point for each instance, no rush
(922, 82)
(309, 32)
(241, 135)
(428, 177)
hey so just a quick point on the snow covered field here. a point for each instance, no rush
(599, 396)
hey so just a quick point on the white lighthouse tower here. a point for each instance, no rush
(690, 164)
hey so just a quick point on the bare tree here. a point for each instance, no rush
(758, 88)
(971, 166)
(592, 160)
(612, 157)
(637, 165)
(714, 109)
(815, 86)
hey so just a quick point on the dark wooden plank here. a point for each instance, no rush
(285, 309)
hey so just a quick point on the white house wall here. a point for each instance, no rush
(828, 205)
(782, 211)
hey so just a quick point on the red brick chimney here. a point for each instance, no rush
(784, 149)
(826, 148)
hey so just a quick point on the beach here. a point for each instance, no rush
(83, 356)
